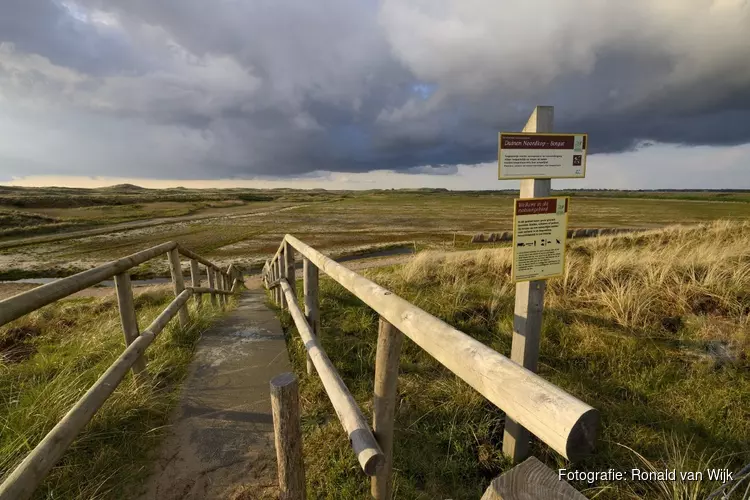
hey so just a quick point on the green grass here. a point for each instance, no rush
(660, 345)
(50, 357)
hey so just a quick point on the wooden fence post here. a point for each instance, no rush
(128, 318)
(288, 436)
(384, 405)
(222, 286)
(527, 323)
(178, 283)
(282, 274)
(195, 279)
(312, 304)
(291, 275)
(211, 284)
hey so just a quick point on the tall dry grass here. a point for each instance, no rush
(644, 282)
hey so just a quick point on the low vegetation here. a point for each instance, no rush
(50, 357)
(653, 329)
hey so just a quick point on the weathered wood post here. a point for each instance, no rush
(527, 325)
(384, 404)
(291, 275)
(223, 287)
(281, 264)
(195, 279)
(128, 318)
(211, 284)
(312, 304)
(288, 436)
(178, 283)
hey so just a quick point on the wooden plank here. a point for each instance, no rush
(527, 323)
(565, 423)
(212, 284)
(22, 482)
(531, 480)
(279, 275)
(312, 302)
(282, 274)
(195, 280)
(128, 318)
(288, 436)
(384, 404)
(363, 443)
(178, 283)
(290, 275)
(18, 305)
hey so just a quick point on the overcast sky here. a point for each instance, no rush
(368, 93)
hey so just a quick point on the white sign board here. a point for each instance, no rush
(540, 227)
(541, 156)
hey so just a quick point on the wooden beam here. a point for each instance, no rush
(565, 423)
(531, 480)
(312, 302)
(178, 283)
(128, 319)
(384, 405)
(195, 280)
(212, 284)
(363, 443)
(527, 323)
(18, 305)
(288, 436)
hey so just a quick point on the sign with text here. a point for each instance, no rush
(540, 226)
(541, 156)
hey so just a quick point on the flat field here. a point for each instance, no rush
(56, 232)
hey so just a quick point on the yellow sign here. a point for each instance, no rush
(540, 227)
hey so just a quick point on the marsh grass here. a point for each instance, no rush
(50, 357)
(650, 328)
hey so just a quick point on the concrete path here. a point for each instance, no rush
(221, 444)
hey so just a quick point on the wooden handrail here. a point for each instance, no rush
(23, 303)
(192, 255)
(360, 436)
(562, 421)
(26, 477)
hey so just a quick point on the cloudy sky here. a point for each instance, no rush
(369, 93)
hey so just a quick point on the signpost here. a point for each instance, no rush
(540, 226)
(541, 156)
(535, 156)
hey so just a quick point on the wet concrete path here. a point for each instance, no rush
(222, 435)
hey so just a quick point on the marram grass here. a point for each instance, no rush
(650, 328)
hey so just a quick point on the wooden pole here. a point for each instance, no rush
(128, 318)
(221, 285)
(211, 284)
(178, 283)
(527, 323)
(312, 304)
(288, 436)
(18, 305)
(291, 275)
(282, 273)
(195, 279)
(384, 405)
(362, 441)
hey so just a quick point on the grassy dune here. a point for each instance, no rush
(652, 329)
(50, 357)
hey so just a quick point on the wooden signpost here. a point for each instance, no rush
(536, 155)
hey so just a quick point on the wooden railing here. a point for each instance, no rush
(560, 420)
(27, 476)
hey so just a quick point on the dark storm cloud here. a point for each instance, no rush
(243, 88)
